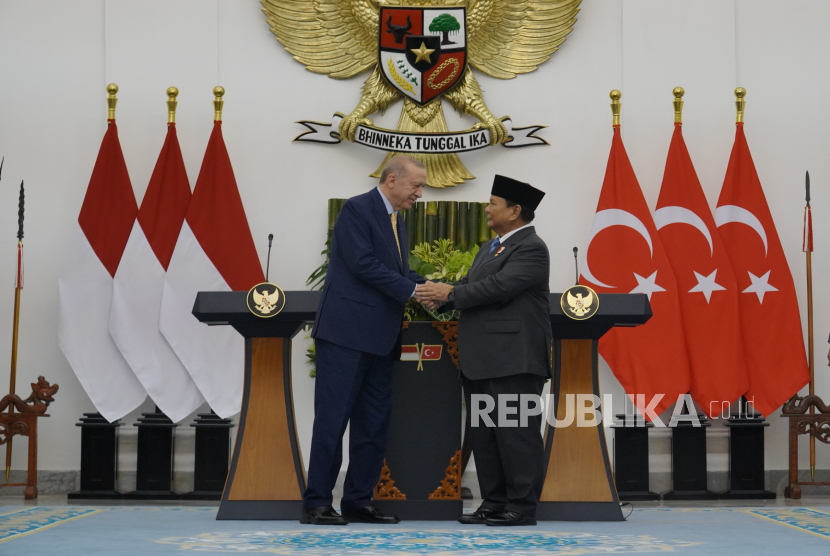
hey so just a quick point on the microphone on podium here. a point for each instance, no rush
(268, 262)
(576, 266)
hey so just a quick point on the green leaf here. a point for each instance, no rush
(427, 268)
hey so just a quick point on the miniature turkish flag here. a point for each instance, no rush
(770, 321)
(625, 255)
(707, 288)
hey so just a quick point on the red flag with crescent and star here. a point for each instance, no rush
(625, 255)
(707, 288)
(770, 321)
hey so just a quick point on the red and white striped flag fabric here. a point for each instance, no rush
(625, 255)
(214, 252)
(139, 282)
(86, 281)
(770, 321)
(707, 288)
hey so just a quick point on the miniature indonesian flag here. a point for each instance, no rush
(139, 281)
(86, 283)
(214, 252)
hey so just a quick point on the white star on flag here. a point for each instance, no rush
(647, 285)
(760, 286)
(706, 285)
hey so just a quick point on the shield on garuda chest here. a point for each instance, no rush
(423, 51)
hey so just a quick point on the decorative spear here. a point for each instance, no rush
(18, 285)
(807, 247)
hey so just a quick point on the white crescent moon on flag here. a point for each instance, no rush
(731, 213)
(680, 215)
(605, 219)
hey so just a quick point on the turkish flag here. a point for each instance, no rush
(625, 255)
(770, 322)
(707, 288)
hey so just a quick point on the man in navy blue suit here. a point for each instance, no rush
(357, 336)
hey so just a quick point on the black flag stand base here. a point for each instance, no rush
(154, 468)
(212, 457)
(631, 469)
(746, 456)
(99, 459)
(688, 461)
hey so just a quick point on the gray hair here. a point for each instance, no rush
(397, 165)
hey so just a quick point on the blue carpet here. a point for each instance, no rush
(147, 530)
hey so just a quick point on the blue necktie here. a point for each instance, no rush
(494, 245)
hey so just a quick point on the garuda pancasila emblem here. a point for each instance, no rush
(421, 51)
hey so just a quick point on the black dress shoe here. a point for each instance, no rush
(477, 517)
(322, 515)
(369, 514)
(509, 518)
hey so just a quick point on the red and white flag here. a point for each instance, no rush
(625, 255)
(706, 284)
(86, 281)
(214, 252)
(770, 321)
(139, 281)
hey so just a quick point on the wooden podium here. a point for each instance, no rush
(579, 484)
(267, 478)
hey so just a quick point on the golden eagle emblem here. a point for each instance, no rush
(265, 300)
(501, 38)
(579, 302)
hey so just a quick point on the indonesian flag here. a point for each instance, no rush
(707, 287)
(770, 322)
(625, 255)
(214, 252)
(139, 281)
(85, 285)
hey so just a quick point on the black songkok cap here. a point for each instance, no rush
(519, 192)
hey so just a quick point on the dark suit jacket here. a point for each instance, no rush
(504, 327)
(367, 284)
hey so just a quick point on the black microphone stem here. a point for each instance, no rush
(268, 261)
(576, 265)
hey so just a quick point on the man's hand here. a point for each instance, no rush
(432, 291)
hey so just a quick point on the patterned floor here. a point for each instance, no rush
(128, 531)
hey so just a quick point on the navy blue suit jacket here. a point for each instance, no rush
(367, 284)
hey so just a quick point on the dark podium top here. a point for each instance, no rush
(229, 308)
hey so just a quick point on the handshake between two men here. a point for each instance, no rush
(432, 294)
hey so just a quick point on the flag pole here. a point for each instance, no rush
(807, 246)
(17, 287)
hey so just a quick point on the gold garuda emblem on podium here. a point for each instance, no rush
(579, 302)
(265, 300)
(420, 51)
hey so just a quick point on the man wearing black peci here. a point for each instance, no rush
(504, 340)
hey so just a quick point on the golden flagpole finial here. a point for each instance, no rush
(615, 105)
(678, 93)
(219, 92)
(112, 88)
(172, 93)
(740, 93)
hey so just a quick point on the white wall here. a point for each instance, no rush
(56, 58)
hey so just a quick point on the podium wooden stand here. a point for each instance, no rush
(579, 484)
(267, 478)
